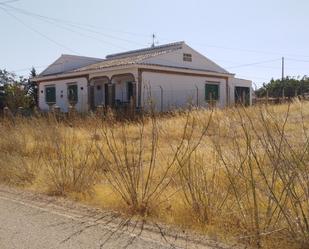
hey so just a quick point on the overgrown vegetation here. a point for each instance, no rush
(239, 174)
(16, 92)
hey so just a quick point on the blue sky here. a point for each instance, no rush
(233, 33)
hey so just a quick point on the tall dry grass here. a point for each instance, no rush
(241, 173)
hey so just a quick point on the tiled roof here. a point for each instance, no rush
(132, 57)
(66, 63)
(165, 47)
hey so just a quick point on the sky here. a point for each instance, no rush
(246, 37)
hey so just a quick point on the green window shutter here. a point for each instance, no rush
(211, 92)
(50, 94)
(72, 93)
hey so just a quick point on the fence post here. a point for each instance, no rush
(161, 98)
(283, 95)
(197, 100)
(266, 97)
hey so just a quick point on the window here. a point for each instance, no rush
(72, 93)
(50, 94)
(187, 57)
(212, 91)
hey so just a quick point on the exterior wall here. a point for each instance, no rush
(179, 91)
(176, 59)
(233, 82)
(62, 95)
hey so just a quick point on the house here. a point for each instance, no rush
(164, 77)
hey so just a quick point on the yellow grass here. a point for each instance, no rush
(235, 174)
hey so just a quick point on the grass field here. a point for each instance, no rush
(239, 175)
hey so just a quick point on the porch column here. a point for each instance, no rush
(134, 97)
(91, 95)
(110, 94)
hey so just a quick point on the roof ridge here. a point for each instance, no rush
(81, 56)
(143, 50)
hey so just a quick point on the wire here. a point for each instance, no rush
(9, 1)
(254, 63)
(79, 33)
(70, 23)
(38, 32)
(82, 25)
(291, 59)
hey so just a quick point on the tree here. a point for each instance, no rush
(32, 89)
(13, 91)
(289, 87)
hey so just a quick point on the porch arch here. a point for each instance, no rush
(98, 94)
(125, 90)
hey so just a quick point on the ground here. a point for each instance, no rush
(36, 221)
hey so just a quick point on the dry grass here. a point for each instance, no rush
(237, 174)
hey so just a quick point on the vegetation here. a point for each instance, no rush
(289, 87)
(242, 174)
(16, 91)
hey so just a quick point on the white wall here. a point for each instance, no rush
(62, 95)
(178, 90)
(175, 59)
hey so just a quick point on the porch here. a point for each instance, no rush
(118, 91)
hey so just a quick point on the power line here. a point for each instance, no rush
(72, 24)
(82, 25)
(291, 59)
(254, 63)
(9, 1)
(76, 32)
(38, 32)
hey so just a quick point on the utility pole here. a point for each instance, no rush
(282, 70)
(282, 78)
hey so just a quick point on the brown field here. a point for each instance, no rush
(238, 175)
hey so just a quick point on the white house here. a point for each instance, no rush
(166, 77)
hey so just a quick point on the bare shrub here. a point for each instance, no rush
(16, 160)
(268, 171)
(134, 164)
(68, 163)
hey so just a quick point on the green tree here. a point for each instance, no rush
(32, 88)
(13, 91)
(289, 87)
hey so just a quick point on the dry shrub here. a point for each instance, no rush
(267, 168)
(136, 167)
(16, 163)
(68, 162)
(242, 172)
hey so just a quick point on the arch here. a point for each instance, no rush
(122, 76)
(97, 91)
(124, 89)
(98, 78)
